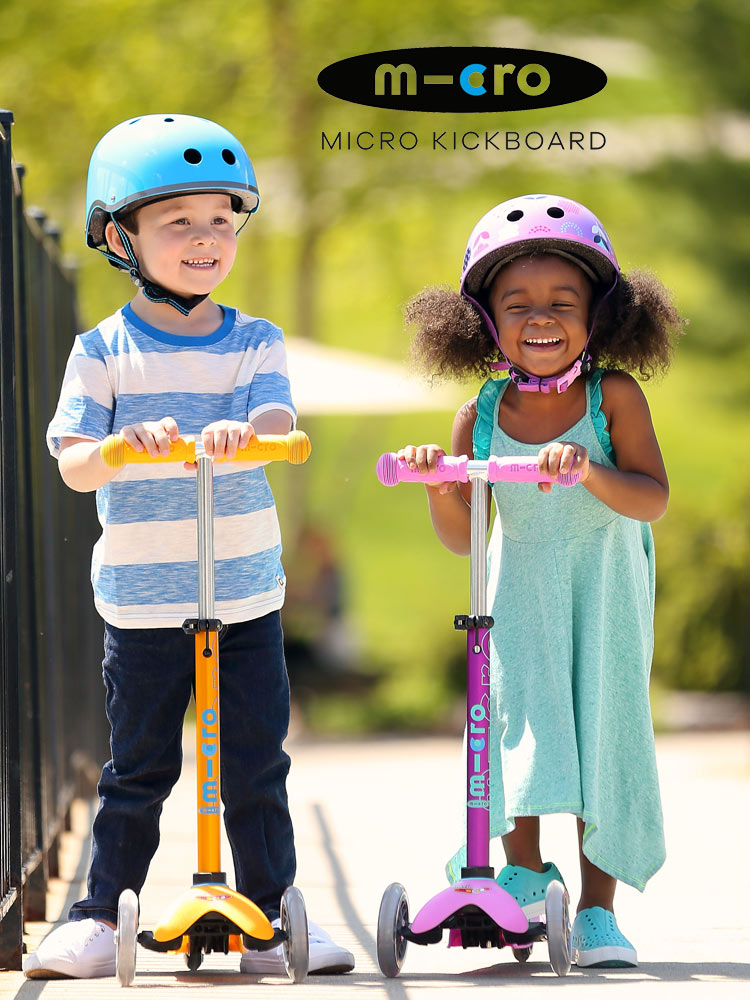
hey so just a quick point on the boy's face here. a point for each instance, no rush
(187, 244)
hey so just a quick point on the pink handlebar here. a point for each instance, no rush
(512, 469)
(392, 470)
(524, 470)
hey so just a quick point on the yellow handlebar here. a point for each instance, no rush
(293, 447)
(116, 453)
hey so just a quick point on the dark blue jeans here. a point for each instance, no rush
(148, 676)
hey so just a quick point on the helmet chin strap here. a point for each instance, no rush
(152, 291)
(183, 304)
(535, 383)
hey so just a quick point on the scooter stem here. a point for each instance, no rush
(478, 557)
(478, 688)
(207, 736)
(205, 499)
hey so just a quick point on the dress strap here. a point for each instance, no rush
(598, 418)
(487, 406)
(484, 425)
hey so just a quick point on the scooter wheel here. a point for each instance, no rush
(558, 927)
(522, 954)
(392, 919)
(296, 949)
(126, 937)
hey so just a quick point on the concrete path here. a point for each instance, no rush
(372, 812)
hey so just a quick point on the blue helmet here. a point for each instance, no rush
(158, 156)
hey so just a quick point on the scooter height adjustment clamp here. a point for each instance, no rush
(194, 626)
(465, 623)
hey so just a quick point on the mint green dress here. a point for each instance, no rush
(571, 589)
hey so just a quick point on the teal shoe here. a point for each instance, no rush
(529, 888)
(598, 943)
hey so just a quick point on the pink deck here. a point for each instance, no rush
(484, 893)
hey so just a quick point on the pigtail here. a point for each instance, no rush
(451, 339)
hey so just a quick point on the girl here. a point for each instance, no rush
(573, 590)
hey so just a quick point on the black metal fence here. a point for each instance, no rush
(53, 733)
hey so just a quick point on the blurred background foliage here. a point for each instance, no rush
(343, 238)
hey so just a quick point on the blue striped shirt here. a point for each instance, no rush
(144, 566)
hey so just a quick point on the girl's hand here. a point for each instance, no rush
(561, 457)
(424, 458)
(222, 438)
(153, 435)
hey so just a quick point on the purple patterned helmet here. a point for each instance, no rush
(536, 223)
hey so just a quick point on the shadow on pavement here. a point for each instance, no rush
(671, 972)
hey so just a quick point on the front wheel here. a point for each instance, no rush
(126, 937)
(393, 918)
(558, 927)
(296, 949)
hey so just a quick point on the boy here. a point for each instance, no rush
(161, 194)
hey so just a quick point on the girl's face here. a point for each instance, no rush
(540, 305)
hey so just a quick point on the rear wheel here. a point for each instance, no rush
(393, 918)
(296, 949)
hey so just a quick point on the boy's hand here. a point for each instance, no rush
(153, 436)
(424, 458)
(560, 457)
(222, 438)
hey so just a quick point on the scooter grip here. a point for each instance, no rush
(391, 470)
(293, 447)
(524, 469)
(117, 453)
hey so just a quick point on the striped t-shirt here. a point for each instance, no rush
(144, 566)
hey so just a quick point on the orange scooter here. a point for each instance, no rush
(211, 917)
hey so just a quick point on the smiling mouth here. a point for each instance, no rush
(542, 341)
(200, 263)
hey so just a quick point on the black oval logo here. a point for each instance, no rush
(462, 78)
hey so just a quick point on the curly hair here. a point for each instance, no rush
(635, 330)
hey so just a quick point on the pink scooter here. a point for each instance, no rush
(476, 911)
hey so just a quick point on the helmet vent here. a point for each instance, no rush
(169, 119)
(192, 156)
(228, 156)
(515, 215)
(555, 213)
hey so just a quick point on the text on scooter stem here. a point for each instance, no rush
(477, 742)
(209, 749)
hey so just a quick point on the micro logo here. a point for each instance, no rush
(462, 79)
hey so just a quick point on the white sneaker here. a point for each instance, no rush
(326, 956)
(81, 949)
